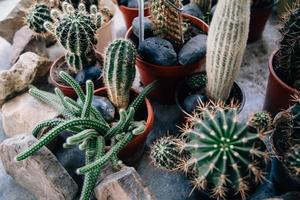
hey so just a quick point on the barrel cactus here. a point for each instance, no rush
(260, 121)
(119, 71)
(87, 3)
(37, 16)
(167, 20)
(226, 43)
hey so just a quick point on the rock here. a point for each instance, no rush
(23, 113)
(29, 68)
(193, 50)
(191, 102)
(26, 40)
(105, 107)
(125, 184)
(158, 51)
(55, 52)
(287, 196)
(148, 27)
(40, 174)
(6, 51)
(133, 4)
(14, 20)
(88, 73)
(193, 9)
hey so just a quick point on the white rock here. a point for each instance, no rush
(5, 53)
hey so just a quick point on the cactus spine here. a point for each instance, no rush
(37, 16)
(226, 43)
(168, 20)
(119, 71)
(204, 5)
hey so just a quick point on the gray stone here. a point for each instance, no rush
(29, 68)
(105, 107)
(133, 4)
(88, 73)
(6, 51)
(193, 50)
(192, 9)
(41, 173)
(158, 51)
(192, 102)
(22, 113)
(125, 184)
(148, 27)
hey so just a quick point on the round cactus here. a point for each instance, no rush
(196, 81)
(166, 153)
(260, 121)
(37, 16)
(224, 156)
(119, 71)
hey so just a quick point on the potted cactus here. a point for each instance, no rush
(286, 145)
(174, 46)
(284, 65)
(221, 155)
(102, 140)
(223, 58)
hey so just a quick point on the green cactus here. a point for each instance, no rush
(196, 81)
(37, 16)
(260, 121)
(289, 49)
(87, 3)
(293, 161)
(167, 20)
(119, 71)
(226, 43)
(166, 153)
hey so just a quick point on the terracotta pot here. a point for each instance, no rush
(106, 33)
(134, 149)
(130, 13)
(168, 76)
(279, 94)
(258, 20)
(66, 89)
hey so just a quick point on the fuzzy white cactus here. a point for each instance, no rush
(227, 40)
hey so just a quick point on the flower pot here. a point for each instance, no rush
(134, 150)
(130, 13)
(258, 20)
(279, 94)
(66, 89)
(168, 76)
(106, 33)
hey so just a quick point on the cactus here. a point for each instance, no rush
(166, 153)
(75, 30)
(226, 43)
(90, 130)
(204, 5)
(260, 121)
(289, 50)
(168, 20)
(37, 16)
(196, 81)
(119, 71)
(87, 3)
(293, 161)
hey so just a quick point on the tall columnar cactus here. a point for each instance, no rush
(75, 30)
(168, 20)
(289, 51)
(226, 43)
(119, 71)
(37, 16)
(204, 5)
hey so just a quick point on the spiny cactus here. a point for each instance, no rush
(75, 30)
(204, 5)
(166, 153)
(90, 131)
(289, 50)
(260, 121)
(168, 20)
(119, 71)
(87, 3)
(37, 16)
(293, 161)
(226, 43)
(196, 81)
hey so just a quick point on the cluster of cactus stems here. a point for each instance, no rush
(226, 43)
(90, 130)
(37, 16)
(204, 5)
(221, 153)
(289, 50)
(166, 16)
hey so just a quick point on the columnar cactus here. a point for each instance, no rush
(168, 20)
(37, 16)
(260, 121)
(204, 5)
(289, 51)
(226, 43)
(119, 71)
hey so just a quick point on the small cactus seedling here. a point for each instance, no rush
(119, 71)
(196, 81)
(37, 16)
(260, 121)
(167, 19)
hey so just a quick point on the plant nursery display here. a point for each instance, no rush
(174, 46)
(92, 131)
(284, 65)
(220, 154)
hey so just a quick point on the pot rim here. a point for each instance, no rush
(205, 28)
(62, 60)
(132, 9)
(275, 76)
(267, 7)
